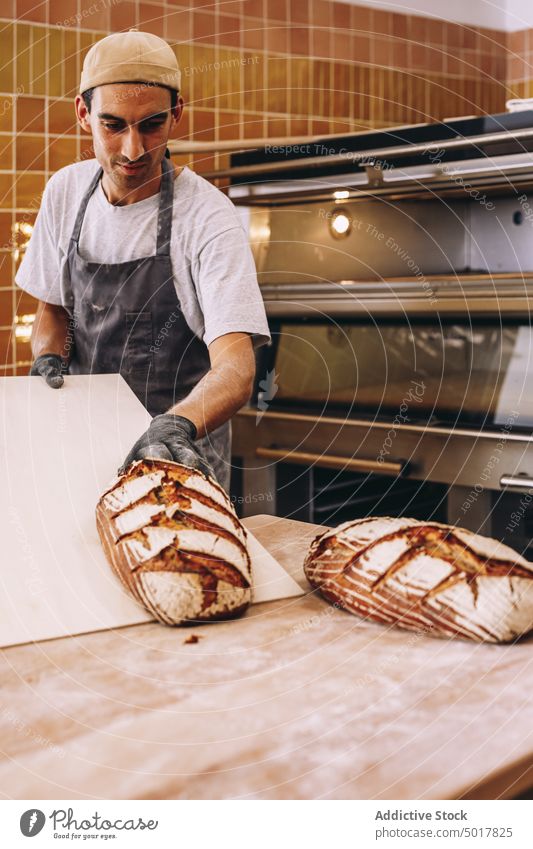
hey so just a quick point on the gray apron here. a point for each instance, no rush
(127, 318)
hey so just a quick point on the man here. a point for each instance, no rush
(143, 268)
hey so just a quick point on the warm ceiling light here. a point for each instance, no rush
(20, 236)
(23, 227)
(340, 225)
(23, 326)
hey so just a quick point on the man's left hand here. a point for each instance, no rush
(169, 437)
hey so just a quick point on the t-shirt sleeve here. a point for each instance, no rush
(227, 288)
(39, 271)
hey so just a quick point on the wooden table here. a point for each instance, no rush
(295, 700)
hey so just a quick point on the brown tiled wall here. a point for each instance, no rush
(250, 68)
(520, 63)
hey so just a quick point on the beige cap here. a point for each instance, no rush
(131, 56)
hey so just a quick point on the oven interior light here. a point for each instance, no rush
(340, 224)
(23, 326)
(341, 194)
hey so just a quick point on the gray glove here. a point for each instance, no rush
(169, 437)
(52, 367)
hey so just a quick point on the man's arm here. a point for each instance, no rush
(225, 388)
(50, 332)
(51, 343)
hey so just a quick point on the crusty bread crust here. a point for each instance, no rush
(172, 537)
(425, 576)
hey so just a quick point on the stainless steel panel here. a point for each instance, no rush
(295, 244)
(496, 242)
(407, 239)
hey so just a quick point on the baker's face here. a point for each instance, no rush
(130, 124)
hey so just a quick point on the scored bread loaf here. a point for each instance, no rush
(426, 576)
(174, 540)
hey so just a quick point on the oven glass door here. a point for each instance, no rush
(454, 372)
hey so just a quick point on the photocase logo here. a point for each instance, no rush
(64, 824)
(268, 388)
(32, 822)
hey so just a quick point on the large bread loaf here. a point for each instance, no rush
(425, 576)
(173, 538)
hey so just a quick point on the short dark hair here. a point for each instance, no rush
(88, 96)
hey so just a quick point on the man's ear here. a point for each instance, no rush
(82, 114)
(177, 112)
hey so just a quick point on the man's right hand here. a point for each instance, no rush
(169, 437)
(52, 367)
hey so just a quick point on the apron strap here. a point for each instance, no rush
(76, 230)
(166, 208)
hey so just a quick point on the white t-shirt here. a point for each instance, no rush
(213, 266)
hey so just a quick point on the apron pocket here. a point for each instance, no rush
(139, 342)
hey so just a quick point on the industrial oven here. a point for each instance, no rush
(396, 269)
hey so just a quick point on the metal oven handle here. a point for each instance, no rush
(333, 461)
(522, 483)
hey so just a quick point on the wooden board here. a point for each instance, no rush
(59, 450)
(270, 580)
(295, 700)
